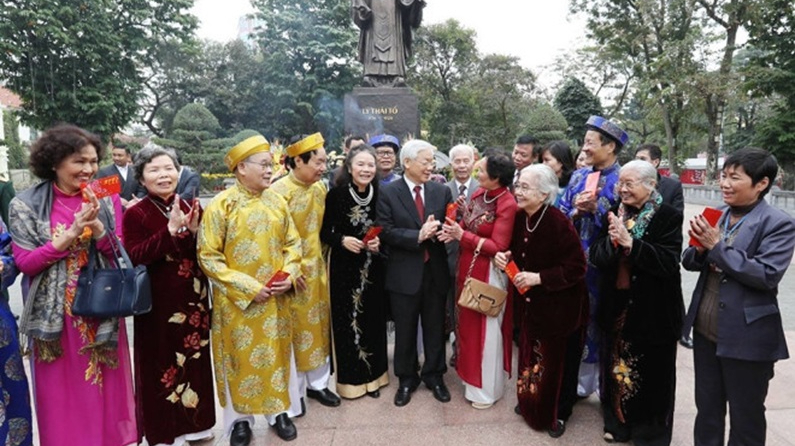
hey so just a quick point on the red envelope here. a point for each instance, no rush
(278, 277)
(713, 216)
(452, 210)
(371, 234)
(512, 270)
(592, 182)
(103, 187)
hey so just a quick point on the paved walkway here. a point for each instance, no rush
(368, 421)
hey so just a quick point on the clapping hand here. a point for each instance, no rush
(451, 231)
(501, 259)
(585, 202)
(429, 229)
(619, 235)
(706, 234)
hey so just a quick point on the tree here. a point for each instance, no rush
(79, 61)
(576, 103)
(729, 15)
(547, 124)
(772, 73)
(195, 135)
(308, 49)
(17, 154)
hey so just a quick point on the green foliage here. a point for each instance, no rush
(194, 135)
(466, 97)
(546, 123)
(308, 50)
(772, 73)
(576, 103)
(17, 153)
(79, 61)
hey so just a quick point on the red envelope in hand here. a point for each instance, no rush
(278, 277)
(712, 216)
(371, 234)
(452, 211)
(592, 182)
(512, 270)
(103, 187)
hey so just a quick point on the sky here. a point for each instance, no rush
(535, 31)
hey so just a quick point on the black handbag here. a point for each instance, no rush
(117, 291)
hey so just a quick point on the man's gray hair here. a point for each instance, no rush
(546, 180)
(412, 148)
(462, 149)
(646, 171)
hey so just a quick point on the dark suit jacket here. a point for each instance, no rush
(452, 247)
(188, 185)
(671, 191)
(128, 187)
(749, 321)
(654, 300)
(397, 215)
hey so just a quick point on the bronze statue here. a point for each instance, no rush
(385, 39)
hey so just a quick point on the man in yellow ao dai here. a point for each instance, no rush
(246, 236)
(306, 195)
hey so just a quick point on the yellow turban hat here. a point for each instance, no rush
(245, 149)
(308, 144)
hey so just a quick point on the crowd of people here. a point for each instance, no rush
(289, 280)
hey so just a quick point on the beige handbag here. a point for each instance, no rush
(480, 296)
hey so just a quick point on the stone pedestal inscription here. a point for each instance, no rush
(373, 111)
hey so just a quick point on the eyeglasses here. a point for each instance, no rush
(384, 153)
(263, 164)
(523, 187)
(628, 184)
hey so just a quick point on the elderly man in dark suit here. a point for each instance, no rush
(462, 160)
(121, 168)
(734, 312)
(411, 211)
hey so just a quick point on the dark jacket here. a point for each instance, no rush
(749, 320)
(653, 302)
(397, 215)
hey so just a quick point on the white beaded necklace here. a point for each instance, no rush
(527, 226)
(361, 201)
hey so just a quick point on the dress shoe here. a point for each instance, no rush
(609, 437)
(517, 410)
(686, 342)
(558, 430)
(325, 397)
(481, 406)
(440, 392)
(285, 428)
(374, 394)
(403, 396)
(241, 434)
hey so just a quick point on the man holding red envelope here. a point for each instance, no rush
(591, 193)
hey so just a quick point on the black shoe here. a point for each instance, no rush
(285, 428)
(558, 430)
(686, 342)
(325, 397)
(403, 396)
(374, 394)
(241, 434)
(440, 392)
(453, 360)
(517, 410)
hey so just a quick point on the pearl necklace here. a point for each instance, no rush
(361, 201)
(527, 226)
(486, 196)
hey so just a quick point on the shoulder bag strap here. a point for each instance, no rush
(475, 257)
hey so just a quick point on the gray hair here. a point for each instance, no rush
(412, 148)
(547, 181)
(147, 154)
(460, 149)
(645, 170)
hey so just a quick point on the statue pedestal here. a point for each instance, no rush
(373, 111)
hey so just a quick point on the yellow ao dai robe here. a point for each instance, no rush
(244, 239)
(310, 308)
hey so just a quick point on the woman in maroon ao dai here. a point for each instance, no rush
(553, 309)
(173, 371)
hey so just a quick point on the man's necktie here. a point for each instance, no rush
(418, 203)
(421, 211)
(462, 190)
